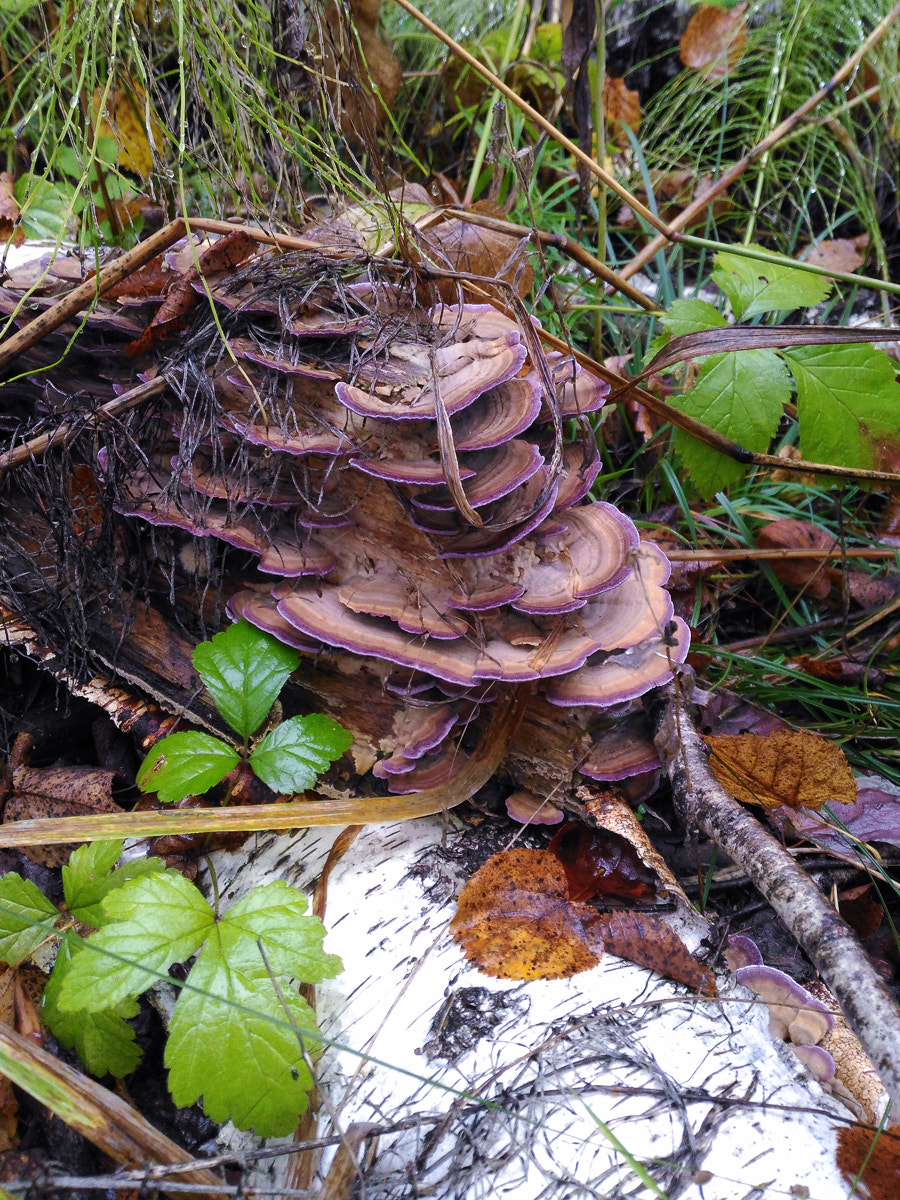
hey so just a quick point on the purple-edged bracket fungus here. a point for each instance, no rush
(388, 484)
(793, 1012)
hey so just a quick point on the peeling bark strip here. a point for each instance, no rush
(865, 1000)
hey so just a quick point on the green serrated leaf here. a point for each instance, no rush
(148, 924)
(758, 287)
(104, 1041)
(297, 751)
(186, 764)
(244, 669)
(89, 876)
(741, 396)
(848, 403)
(26, 918)
(691, 316)
(273, 916)
(230, 1040)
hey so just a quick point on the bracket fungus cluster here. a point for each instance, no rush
(389, 483)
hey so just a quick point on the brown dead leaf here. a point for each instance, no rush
(794, 768)
(182, 297)
(622, 107)
(613, 814)
(600, 863)
(837, 254)
(55, 792)
(514, 919)
(792, 534)
(646, 939)
(9, 212)
(479, 251)
(838, 670)
(879, 1151)
(714, 41)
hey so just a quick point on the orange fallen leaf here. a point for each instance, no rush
(873, 1158)
(796, 768)
(622, 107)
(714, 41)
(9, 212)
(514, 919)
(646, 939)
(127, 118)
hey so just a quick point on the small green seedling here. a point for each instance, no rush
(240, 1035)
(244, 669)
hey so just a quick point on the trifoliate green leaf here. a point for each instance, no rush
(104, 1041)
(148, 924)
(848, 402)
(232, 1043)
(89, 876)
(691, 316)
(741, 396)
(26, 918)
(185, 764)
(244, 669)
(297, 751)
(756, 287)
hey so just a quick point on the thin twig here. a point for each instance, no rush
(865, 1000)
(89, 291)
(36, 446)
(541, 121)
(779, 552)
(565, 245)
(701, 202)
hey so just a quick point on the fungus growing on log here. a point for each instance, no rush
(388, 480)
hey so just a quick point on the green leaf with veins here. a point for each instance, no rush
(186, 764)
(291, 757)
(691, 316)
(89, 876)
(741, 396)
(104, 1041)
(755, 287)
(148, 924)
(848, 403)
(244, 669)
(26, 918)
(230, 1039)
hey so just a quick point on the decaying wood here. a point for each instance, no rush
(864, 997)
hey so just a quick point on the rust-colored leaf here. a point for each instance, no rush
(646, 939)
(674, 191)
(795, 768)
(55, 792)
(613, 814)
(182, 297)
(87, 506)
(881, 1154)
(792, 534)
(838, 670)
(514, 919)
(837, 254)
(622, 107)
(9, 212)
(599, 863)
(714, 41)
